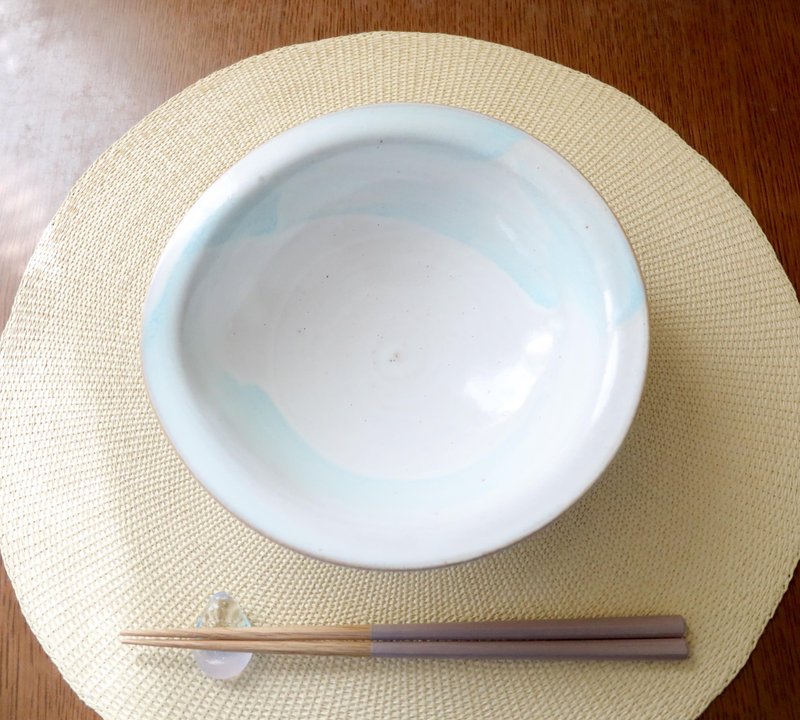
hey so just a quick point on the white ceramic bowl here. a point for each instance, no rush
(397, 336)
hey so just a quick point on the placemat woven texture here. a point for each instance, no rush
(102, 528)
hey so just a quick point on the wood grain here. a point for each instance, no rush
(77, 75)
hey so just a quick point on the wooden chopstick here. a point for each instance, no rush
(670, 648)
(655, 626)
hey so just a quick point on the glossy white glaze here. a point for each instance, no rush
(397, 336)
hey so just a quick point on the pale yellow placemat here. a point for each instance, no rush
(102, 528)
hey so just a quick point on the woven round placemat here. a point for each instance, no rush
(102, 528)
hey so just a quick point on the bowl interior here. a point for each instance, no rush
(397, 336)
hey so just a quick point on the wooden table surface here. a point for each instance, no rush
(75, 76)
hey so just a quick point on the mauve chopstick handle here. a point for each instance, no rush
(639, 649)
(655, 626)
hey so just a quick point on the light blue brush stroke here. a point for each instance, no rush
(262, 430)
